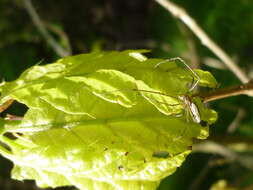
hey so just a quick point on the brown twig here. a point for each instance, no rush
(5, 105)
(180, 13)
(244, 89)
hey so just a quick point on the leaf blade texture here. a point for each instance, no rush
(104, 120)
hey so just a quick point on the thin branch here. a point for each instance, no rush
(215, 148)
(214, 63)
(201, 175)
(62, 35)
(244, 89)
(235, 123)
(42, 29)
(212, 147)
(178, 12)
(213, 161)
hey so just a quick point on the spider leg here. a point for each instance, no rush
(191, 70)
(193, 84)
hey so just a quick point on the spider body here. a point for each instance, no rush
(190, 108)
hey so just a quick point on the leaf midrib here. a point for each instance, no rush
(72, 124)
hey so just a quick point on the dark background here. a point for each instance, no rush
(90, 25)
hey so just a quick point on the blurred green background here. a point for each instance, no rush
(90, 25)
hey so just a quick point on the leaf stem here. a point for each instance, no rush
(244, 89)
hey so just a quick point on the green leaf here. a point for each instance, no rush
(106, 85)
(105, 120)
(206, 79)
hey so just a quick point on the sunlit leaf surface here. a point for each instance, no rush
(104, 120)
